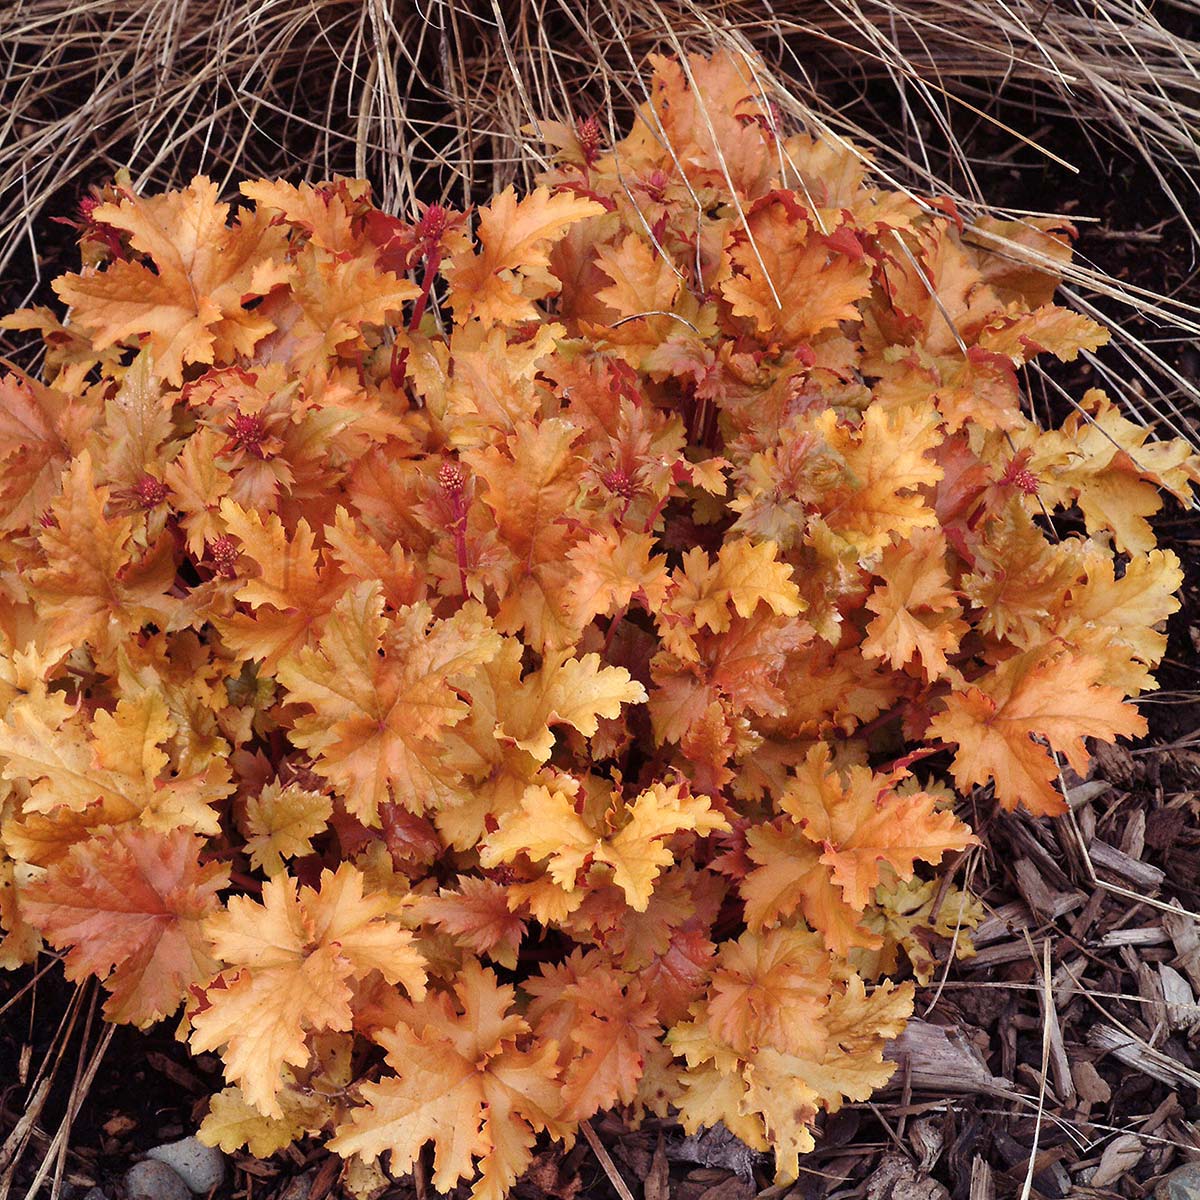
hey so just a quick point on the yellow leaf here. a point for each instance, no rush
(281, 822)
(566, 691)
(291, 961)
(547, 828)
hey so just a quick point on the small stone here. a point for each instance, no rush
(1182, 1184)
(152, 1180)
(95, 1193)
(201, 1167)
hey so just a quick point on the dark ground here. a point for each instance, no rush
(1120, 1093)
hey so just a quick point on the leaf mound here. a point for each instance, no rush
(478, 667)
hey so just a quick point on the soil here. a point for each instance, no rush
(1105, 947)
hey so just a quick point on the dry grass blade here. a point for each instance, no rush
(605, 1159)
(78, 1020)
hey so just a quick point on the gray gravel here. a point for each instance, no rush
(152, 1180)
(201, 1167)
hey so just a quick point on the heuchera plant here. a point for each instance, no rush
(476, 667)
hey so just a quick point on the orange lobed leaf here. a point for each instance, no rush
(461, 1082)
(291, 961)
(1046, 693)
(128, 905)
(860, 821)
(380, 694)
(501, 281)
(192, 307)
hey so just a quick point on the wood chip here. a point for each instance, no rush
(1133, 839)
(1149, 935)
(657, 1184)
(1060, 1067)
(1108, 858)
(1182, 1010)
(1015, 916)
(983, 1185)
(942, 1058)
(1089, 1083)
(1133, 1052)
(1185, 935)
(1081, 793)
(1120, 1156)
(1040, 897)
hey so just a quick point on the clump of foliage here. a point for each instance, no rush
(476, 666)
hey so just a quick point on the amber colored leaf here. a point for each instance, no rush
(789, 877)
(917, 612)
(547, 828)
(232, 1123)
(291, 961)
(1048, 328)
(791, 280)
(137, 426)
(281, 822)
(605, 1026)
(20, 942)
(320, 212)
(128, 905)
(909, 916)
(461, 1082)
(337, 299)
(831, 1049)
(888, 461)
(1041, 693)
(643, 280)
(117, 763)
(769, 989)
(501, 281)
(96, 584)
(851, 1067)
(744, 575)
(565, 691)
(192, 307)
(1107, 465)
(380, 697)
(711, 113)
(532, 482)
(860, 821)
(33, 449)
(1130, 610)
(290, 592)
(610, 570)
(479, 916)
(308, 1096)
(709, 1097)
(43, 746)
(865, 480)
(978, 389)
(198, 484)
